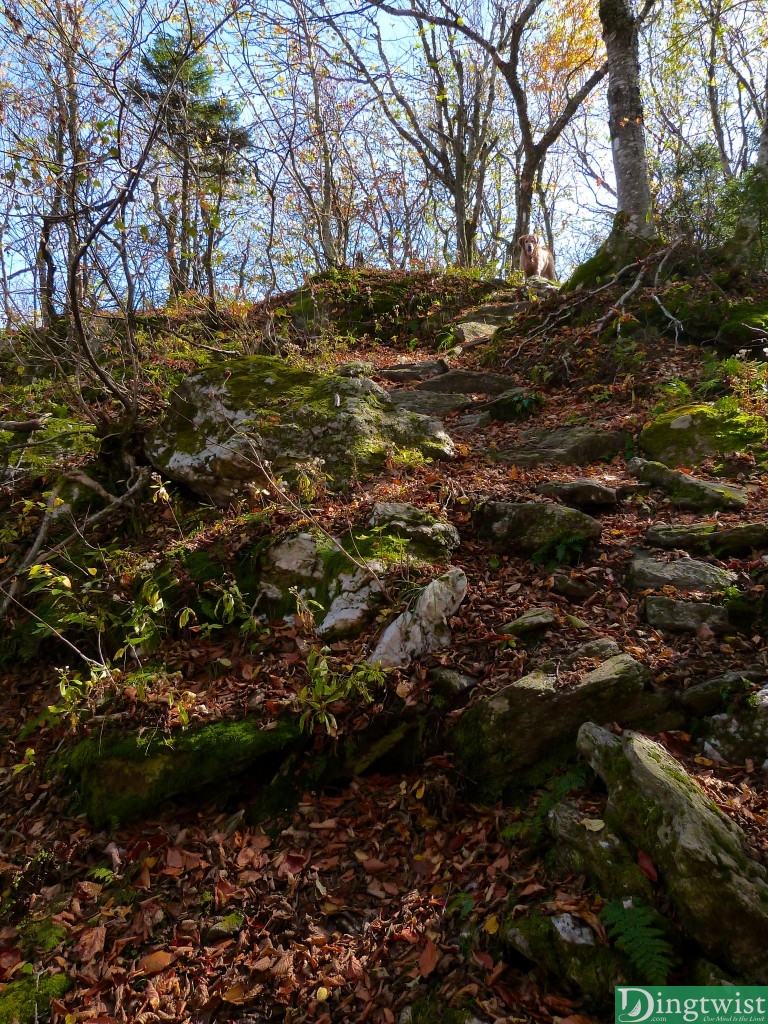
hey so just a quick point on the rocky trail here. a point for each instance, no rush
(475, 737)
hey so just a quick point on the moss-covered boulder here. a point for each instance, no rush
(688, 491)
(686, 435)
(122, 779)
(540, 529)
(746, 326)
(719, 893)
(597, 853)
(247, 420)
(536, 718)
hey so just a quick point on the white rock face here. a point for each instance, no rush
(424, 627)
(351, 609)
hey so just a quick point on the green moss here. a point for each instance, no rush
(746, 323)
(28, 1001)
(596, 270)
(126, 778)
(431, 1010)
(689, 433)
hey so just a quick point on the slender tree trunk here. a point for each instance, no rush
(625, 119)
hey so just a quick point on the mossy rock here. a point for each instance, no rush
(28, 1000)
(746, 326)
(690, 433)
(561, 946)
(254, 419)
(126, 778)
(542, 530)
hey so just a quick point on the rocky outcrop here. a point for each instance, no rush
(537, 717)
(257, 419)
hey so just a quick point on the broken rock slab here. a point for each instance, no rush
(425, 627)
(683, 574)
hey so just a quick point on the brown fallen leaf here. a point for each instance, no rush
(153, 963)
(429, 959)
(91, 943)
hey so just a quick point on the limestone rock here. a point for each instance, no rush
(742, 733)
(429, 403)
(533, 620)
(469, 382)
(512, 405)
(583, 493)
(406, 373)
(525, 721)
(424, 627)
(736, 540)
(720, 895)
(428, 535)
(246, 420)
(685, 616)
(356, 598)
(687, 491)
(569, 446)
(710, 697)
(530, 527)
(602, 856)
(684, 574)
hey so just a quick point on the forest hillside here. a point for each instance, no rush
(401, 658)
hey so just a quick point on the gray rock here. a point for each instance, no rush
(425, 627)
(428, 534)
(601, 855)
(713, 694)
(584, 493)
(531, 527)
(512, 405)
(720, 895)
(708, 537)
(685, 616)
(254, 419)
(525, 721)
(474, 332)
(356, 368)
(411, 372)
(684, 574)
(569, 446)
(688, 491)
(469, 382)
(452, 683)
(429, 403)
(743, 733)
(574, 586)
(534, 620)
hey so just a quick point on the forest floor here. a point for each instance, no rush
(388, 890)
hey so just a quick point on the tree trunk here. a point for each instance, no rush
(625, 120)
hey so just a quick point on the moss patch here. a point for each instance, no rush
(121, 780)
(28, 1001)
(746, 325)
(684, 436)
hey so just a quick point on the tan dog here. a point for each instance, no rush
(535, 259)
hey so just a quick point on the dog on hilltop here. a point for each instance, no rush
(535, 259)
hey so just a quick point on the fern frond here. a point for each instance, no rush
(634, 929)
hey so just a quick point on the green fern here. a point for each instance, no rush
(635, 930)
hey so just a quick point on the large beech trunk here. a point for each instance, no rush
(625, 119)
